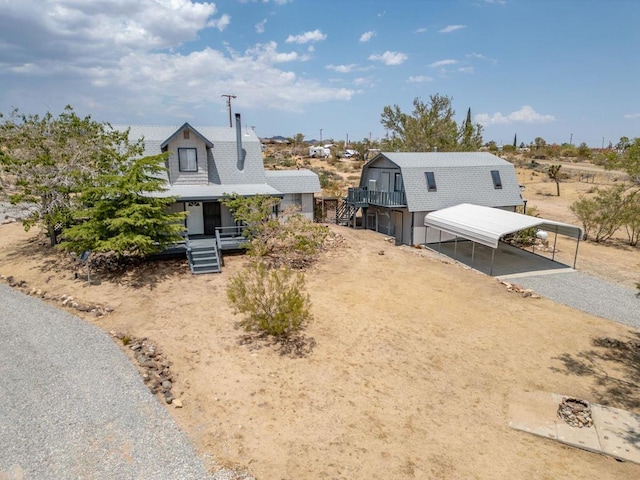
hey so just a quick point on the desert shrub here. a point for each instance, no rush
(601, 215)
(526, 237)
(272, 300)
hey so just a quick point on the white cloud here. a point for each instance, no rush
(420, 30)
(451, 28)
(222, 23)
(419, 79)
(366, 36)
(632, 116)
(526, 114)
(306, 37)
(479, 56)
(496, 2)
(260, 26)
(390, 58)
(466, 70)
(123, 59)
(443, 63)
(342, 68)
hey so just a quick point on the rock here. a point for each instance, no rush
(66, 300)
(168, 397)
(177, 403)
(167, 385)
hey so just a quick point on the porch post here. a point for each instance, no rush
(493, 254)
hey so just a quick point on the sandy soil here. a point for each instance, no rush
(416, 364)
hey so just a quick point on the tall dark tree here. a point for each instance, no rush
(125, 214)
(515, 140)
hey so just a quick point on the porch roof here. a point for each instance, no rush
(216, 192)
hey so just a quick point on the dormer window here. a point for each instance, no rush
(497, 182)
(188, 159)
(431, 181)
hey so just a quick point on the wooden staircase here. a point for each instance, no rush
(345, 212)
(203, 256)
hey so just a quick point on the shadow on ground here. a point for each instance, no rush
(614, 364)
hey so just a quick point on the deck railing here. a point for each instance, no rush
(230, 238)
(362, 196)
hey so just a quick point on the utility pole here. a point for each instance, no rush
(320, 135)
(229, 97)
(571, 139)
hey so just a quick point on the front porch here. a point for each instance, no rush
(362, 197)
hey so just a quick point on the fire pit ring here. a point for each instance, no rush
(575, 412)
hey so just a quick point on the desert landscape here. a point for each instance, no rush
(417, 360)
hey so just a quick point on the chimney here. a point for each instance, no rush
(239, 142)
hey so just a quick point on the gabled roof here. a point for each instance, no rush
(293, 181)
(487, 225)
(461, 177)
(186, 125)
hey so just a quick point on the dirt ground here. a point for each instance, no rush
(416, 364)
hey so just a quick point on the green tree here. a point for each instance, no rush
(554, 174)
(124, 214)
(627, 158)
(470, 135)
(602, 215)
(430, 127)
(584, 152)
(47, 160)
(539, 143)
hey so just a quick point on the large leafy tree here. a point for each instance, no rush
(627, 158)
(124, 213)
(48, 159)
(430, 127)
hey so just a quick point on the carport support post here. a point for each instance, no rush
(473, 252)
(576, 255)
(455, 247)
(440, 243)
(555, 239)
(493, 254)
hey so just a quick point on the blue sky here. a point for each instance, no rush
(564, 70)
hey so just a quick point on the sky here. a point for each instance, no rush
(564, 70)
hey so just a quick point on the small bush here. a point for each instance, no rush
(272, 300)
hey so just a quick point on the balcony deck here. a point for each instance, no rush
(361, 197)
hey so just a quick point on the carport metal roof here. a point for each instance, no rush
(486, 225)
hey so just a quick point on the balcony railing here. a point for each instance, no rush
(363, 197)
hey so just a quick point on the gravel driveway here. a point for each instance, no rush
(72, 406)
(586, 293)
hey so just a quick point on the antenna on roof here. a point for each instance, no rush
(229, 97)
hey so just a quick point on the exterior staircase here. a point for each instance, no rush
(345, 212)
(203, 256)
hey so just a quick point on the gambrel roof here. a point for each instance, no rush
(460, 177)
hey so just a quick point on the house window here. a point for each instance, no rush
(397, 184)
(497, 182)
(185, 134)
(188, 159)
(431, 181)
(296, 199)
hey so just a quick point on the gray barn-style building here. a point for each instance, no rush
(397, 190)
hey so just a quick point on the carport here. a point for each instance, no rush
(486, 226)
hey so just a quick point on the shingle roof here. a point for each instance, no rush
(216, 192)
(293, 181)
(461, 177)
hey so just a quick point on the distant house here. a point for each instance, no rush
(397, 190)
(207, 163)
